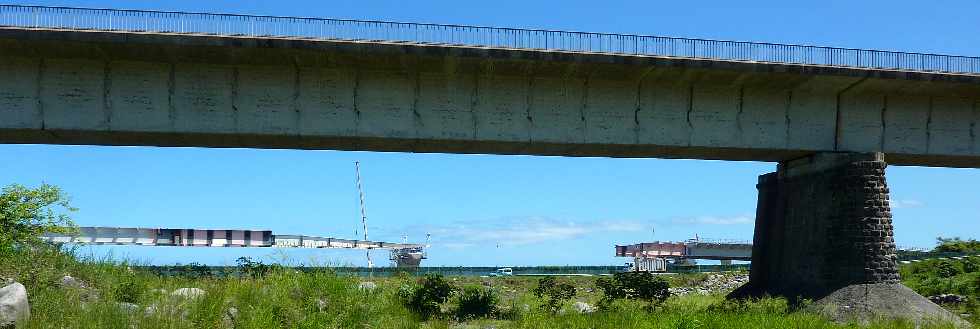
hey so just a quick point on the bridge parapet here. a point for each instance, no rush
(236, 25)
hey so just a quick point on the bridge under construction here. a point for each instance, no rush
(653, 256)
(402, 254)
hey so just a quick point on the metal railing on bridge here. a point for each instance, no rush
(474, 36)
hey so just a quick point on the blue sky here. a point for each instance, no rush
(499, 210)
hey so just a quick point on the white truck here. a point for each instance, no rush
(506, 271)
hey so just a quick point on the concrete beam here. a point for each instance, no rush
(170, 90)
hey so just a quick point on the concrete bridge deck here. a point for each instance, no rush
(833, 118)
(154, 84)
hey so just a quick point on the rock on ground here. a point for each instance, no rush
(865, 302)
(68, 281)
(947, 299)
(87, 293)
(230, 317)
(13, 305)
(189, 293)
(321, 305)
(714, 283)
(367, 285)
(165, 310)
(583, 308)
(129, 307)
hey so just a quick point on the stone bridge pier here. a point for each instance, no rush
(823, 232)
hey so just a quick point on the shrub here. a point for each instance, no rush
(946, 269)
(554, 292)
(643, 286)
(971, 265)
(426, 297)
(129, 290)
(27, 213)
(477, 302)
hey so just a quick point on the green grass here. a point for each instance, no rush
(290, 299)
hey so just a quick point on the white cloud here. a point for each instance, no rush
(715, 220)
(907, 203)
(521, 231)
(456, 245)
(516, 231)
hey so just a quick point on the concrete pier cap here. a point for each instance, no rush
(824, 234)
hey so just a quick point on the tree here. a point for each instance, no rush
(27, 213)
(956, 245)
(252, 268)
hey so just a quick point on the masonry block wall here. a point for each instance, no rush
(823, 222)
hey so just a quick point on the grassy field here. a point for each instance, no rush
(115, 296)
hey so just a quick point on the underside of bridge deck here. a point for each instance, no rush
(158, 89)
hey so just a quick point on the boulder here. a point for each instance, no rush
(13, 305)
(189, 293)
(85, 292)
(583, 308)
(68, 281)
(230, 316)
(367, 285)
(166, 310)
(861, 303)
(321, 305)
(128, 307)
(947, 299)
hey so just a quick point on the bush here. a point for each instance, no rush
(27, 213)
(946, 269)
(643, 286)
(129, 290)
(971, 265)
(477, 302)
(556, 293)
(426, 297)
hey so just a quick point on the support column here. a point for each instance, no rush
(823, 232)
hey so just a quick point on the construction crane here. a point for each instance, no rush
(360, 192)
(408, 255)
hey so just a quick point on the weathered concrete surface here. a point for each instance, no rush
(824, 232)
(71, 87)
